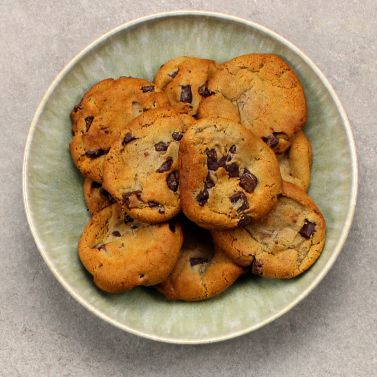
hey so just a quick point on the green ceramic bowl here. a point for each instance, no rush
(52, 186)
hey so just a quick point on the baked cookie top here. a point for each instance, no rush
(295, 163)
(141, 169)
(228, 176)
(283, 244)
(184, 80)
(262, 92)
(105, 109)
(201, 271)
(122, 253)
(95, 196)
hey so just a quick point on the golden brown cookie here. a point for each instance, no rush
(122, 253)
(295, 162)
(141, 169)
(184, 81)
(95, 196)
(263, 93)
(201, 272)
(106, 108)
(283, 244)
(228, 176)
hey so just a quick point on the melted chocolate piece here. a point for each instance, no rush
(208, 182)
(127, 195)
(161, 146)
(271, 140)
(97, 152)
(202, 197)
(172, 180)
(233, 170)
(212, 159)
(177, 135)
(308, 229)
(186, 94)
(204, 91)
(147, 88)
(233, 149)
(116, 233)
(165, 165)
(88, 122)
(128, 137)
(240, 197)
(173, 74)
(245, 220)
(248, 181)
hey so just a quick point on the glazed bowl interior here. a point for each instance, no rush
(53, 187)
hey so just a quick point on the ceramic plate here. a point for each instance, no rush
(53, 187)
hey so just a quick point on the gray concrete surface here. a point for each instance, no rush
(44, 332)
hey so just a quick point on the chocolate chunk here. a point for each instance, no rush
(221, 163)
(202, 197)
(240, 197)
(106, 195)
(96, 153)
(161, 146)
(165, 166)
(173, 74)
(248, 181)
(128, 219)
(186, 95)
(172, 227)
(147, 88)
(127, 198)
(128, 137)
(233, 170)
(204, 91)
(95, 185)
(233, 149)
(208, 182)
(245, 220)
(172, 180)
(134, 226)
(161, 210)
(198, 260)
(116, 233)
(76, 108)
(152, 204)
(257, 267)
(177, 135)
(88, 122)
(308, 229)
(212, 159)
(271, 140)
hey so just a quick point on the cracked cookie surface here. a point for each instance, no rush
(184, 80)
(262, 92)
(105, 109)
(295, 163)
(95, 196)
(283, 244)
(141, 169)
(228, 176)
(201, 271)
(122, 253)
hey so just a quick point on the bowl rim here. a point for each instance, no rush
(176, 14)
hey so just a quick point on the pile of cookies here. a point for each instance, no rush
(196, 178)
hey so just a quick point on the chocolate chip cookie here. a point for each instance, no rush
(201, 271)
(283, 244)
(95, 196)
(184, 80)
(295, 162)
(106, 108)
(228, 176)
(141, 169)
(122, 253)
(262, 92)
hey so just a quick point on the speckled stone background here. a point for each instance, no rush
(44, 332)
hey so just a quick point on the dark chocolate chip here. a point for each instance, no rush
(186, 95)
(116, 233)
(308, 229)
(88, 122)
(233, 170)
(257, 267)
(233, 149)
(202, 197)
(127, 195)
(152, 204)
(248, 181)
(208, 182)
(97, 152)
(172, 180)
(221, 163)
(173, 74)
(128, 219)
(96, 185)
(161, 210)
(271, 140)
(165, 166)
(177, 135)
(211, 159)
(128, 137)
(76, 108)
(106, 195)
(198, 260)
(161, 146)
(147, 88)
(134, 226)
(172, 227)
(240, 196)
(204, 91)
(245, 220)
